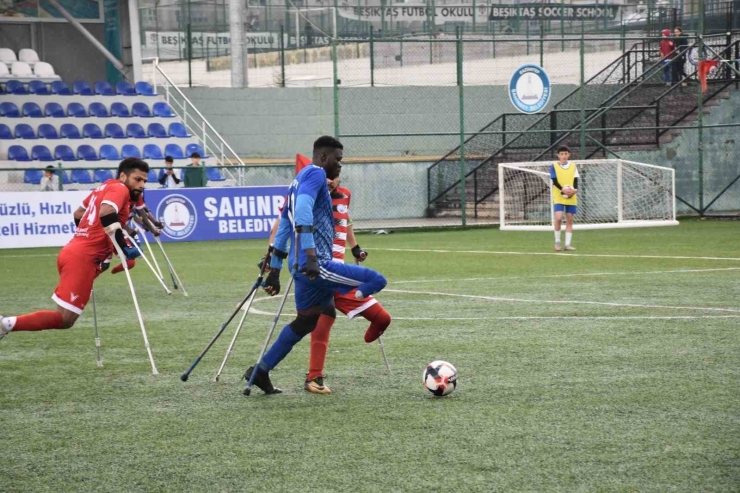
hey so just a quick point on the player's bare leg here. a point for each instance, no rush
(568, 231)
(558, 222)
(40, 320)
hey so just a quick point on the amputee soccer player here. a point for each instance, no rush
(564, 175)
(309, 214)
(348, 304)
(79, 262)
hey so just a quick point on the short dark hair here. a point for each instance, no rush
(50, 168)
(679, 28)
(168, 159)
(563, 148)
(195, 154)
(131, 163)
(327, 141)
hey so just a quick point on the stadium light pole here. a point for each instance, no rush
(236, 30)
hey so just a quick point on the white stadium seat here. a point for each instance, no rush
(4, 70)
(43, 69)
(7, 56)
(29, 56)
(21, 69)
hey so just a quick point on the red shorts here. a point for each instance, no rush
(351, 306)
(77, 272)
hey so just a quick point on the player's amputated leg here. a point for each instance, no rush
(379, 320)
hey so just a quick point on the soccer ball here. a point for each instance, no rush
(440, 378)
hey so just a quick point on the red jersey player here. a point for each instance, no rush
(348, 304)
(79, 261)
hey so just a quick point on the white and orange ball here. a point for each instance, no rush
(440, 378)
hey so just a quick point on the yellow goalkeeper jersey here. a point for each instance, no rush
(566, 174)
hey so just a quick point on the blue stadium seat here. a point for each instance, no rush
(109, 152)
(87, 153)
(33, 176)
(141, 110)
(5, 133)
(162, 109)
(174, 150)
(98, 109)
(82, 87)
(151, 177)
(9, 110)
(81, 176)
(41, 153)
(47, 131)
(92, 131)
(76, 110)
(124, 89)
(103, 88)
(14, 86)
(65, 178)
(214, 174)
(191, 148)
(70, 131)
(24, 131)
(18, 153)
(32, 110)
(144, 89)
(61, 88)
(119, 109)
(177, 129)
(114, 131)
(152, 151)
(65, 153)
(130, 150)
(102, 175)
(135, 131)
(38, 87)
(156, 130)
(54, 110)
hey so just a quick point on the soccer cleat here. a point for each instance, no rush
(557, 247)
(569, 248)
(261, 380)
(316, 386)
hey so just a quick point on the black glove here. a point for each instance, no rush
(272, 283)
(359, 253)
(158, 224)
(265, 261)
(312, 267)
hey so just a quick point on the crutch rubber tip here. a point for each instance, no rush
(100, 364)
(184, 377)
(247, 391)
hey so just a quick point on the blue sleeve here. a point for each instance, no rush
(552, 171)
(281, 240)
(308, 189)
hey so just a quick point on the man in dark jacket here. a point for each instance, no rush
(682, 43)
(167, 176)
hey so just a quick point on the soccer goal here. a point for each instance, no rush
(612, 193)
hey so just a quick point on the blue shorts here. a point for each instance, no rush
(569, 209)
(335, 277)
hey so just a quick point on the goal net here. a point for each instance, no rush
(612, 193)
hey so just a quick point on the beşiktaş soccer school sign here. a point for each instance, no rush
(44, 219)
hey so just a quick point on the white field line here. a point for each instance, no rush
(558, 276)
(563, 254)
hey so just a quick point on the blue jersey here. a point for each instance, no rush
(308, 205)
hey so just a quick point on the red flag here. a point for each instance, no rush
(704, 67)
(301, 162)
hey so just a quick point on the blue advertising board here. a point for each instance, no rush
(200, 214)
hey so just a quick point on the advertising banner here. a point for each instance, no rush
(44, 219)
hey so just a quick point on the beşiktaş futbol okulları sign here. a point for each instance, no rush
(529, 88)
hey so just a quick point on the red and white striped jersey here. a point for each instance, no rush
(340, 200)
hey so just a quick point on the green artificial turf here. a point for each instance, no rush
(593, 371)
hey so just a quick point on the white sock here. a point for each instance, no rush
(557, 236)
(8, 323)
(568, 237)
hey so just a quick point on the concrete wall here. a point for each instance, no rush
(721, 159)
(277, 123)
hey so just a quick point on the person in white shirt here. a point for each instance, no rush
(167, 176)
(50, 181)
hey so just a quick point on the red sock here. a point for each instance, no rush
(119, 268)
(43, 320)
(319, 345)
(379, 321)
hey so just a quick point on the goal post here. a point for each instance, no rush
(612, 193)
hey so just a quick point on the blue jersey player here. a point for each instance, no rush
(308, 215)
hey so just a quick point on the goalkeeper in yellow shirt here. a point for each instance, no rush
(564, 176)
